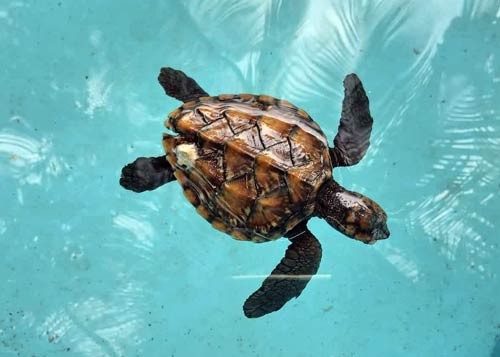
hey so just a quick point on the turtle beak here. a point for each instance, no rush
(378, 225)
(381, 231)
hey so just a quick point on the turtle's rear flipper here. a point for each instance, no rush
(353, 137)
(176, 84)
(146, 174)
(290, 277)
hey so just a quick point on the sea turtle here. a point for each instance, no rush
(257, 168)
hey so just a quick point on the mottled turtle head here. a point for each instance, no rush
(351, 213)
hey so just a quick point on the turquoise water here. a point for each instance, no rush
(89, 269)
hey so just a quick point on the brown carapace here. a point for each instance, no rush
(251, 165)
(257, 168)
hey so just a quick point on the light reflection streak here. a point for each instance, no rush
(142, 230)
(465, 146)
(98, 92)
(280, 276)
(93, 326)
(30, 160)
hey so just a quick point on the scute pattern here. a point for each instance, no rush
(258, 163)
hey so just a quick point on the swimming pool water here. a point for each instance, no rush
(89, 269)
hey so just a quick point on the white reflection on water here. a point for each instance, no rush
(23, 150)
(278, 276)
(94, 326)
(138, 225)
(400, 260)
(28, 158)
(98, 92)
(3, 226)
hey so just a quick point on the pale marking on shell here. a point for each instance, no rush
(186, 155)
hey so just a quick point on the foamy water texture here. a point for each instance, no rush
(89, 269)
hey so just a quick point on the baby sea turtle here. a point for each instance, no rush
(257, 168)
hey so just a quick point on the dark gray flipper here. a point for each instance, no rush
(353, 137)
(179, 86)
(146, 174)
(290, 276)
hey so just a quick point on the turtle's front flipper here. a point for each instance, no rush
(353, 137)
(146, 174)
(176, 84)
(290, 277)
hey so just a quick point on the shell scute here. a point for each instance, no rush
(208, 114)
(238, 195)
(268, 174)
(245, 97)
(273, 130)
(268, 212)
(217, 133)
(226, 96)
(302, 182)
(239, 121)
(267, 99)
(251, 139)
(189, 124)
(239, 158)
(211, 166)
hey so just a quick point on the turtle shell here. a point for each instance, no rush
(251, 165)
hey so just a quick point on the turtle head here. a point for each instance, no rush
(351, 213)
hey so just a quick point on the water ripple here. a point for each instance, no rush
(466, 147)
(23, 150)
(93, 326)
(406, 266)
(29, 159)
